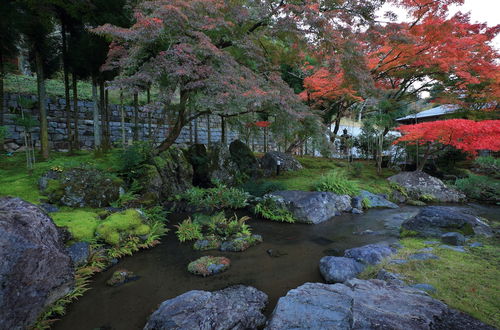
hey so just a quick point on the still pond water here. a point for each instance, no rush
(163, 273)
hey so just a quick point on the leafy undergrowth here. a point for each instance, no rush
(364, 173)
(465, 281)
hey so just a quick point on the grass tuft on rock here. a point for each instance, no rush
(120, 225)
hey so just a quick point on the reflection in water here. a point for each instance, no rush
(292, 261)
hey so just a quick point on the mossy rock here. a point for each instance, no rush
(207, 243)
(244, 158)
(209, 265)
(197, 156)
(240, 244)
(120, 225)
(121, 277)
(171, 175)
(81, 187)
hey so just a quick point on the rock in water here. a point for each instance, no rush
(313, 207)
(420, 183)
(269, 163)
(339, 269)
(434, 221)
(377, 200)
(365, 304)
(35, 269)
(236, 307)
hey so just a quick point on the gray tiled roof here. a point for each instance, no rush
(437, 111)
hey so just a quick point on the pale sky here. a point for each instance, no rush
(481, 11)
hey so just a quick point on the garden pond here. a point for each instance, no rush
(288, 257)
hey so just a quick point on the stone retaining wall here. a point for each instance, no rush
(15, 103)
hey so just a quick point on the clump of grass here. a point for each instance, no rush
(188, 230)
(465, 281)
(269, 209)
(338, 183)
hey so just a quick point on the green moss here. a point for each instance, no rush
(120, 225)
(416, 203)
(465, 281)
(427, 198)
(81, 223)
(366, 203)
(315, 167)
(407, 233)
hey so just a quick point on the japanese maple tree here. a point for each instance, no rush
(214, 53)
(467, 135)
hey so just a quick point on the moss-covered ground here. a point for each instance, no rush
(365, 174)
(466, 281)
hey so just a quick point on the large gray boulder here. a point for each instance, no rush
(312, 207)
(434, 221)
(236, 307)
(222, 167)
(269, 163)
(80, 187)
(377, 200)
(339, 269)
(35, 269)
(244, 158)
(370, 254)
(170, 174)
(418, 184)
(365, 304)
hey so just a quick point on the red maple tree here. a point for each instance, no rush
(467, 135)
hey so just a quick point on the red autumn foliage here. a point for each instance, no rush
(466, 135)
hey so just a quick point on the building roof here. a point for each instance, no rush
(434, 112)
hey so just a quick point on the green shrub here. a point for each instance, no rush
(489, 165)
(188, 230)
(480, 188)
(219, 197)
(259, 189)
(338, 183)
(407, 233)
(269, 209)
(129, 160)
(118, 226)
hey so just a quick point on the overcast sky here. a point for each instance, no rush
(481, 11)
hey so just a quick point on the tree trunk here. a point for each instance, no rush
(122, 118)
(104, 116)
(97, 128)
(2, 74)
(176, 129)
(66, 87)
(333, 134)
(44, 127)
(150, 116)
(223, 131)
(427, 153)
(76, 140)
(209, 131)
(136, 117)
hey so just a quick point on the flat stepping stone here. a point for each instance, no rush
(423, 256)
(398, 261)
(424, 287)
(209, 265)
(429, 249)
(476, 245)
(453, 248)
(431, 242)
